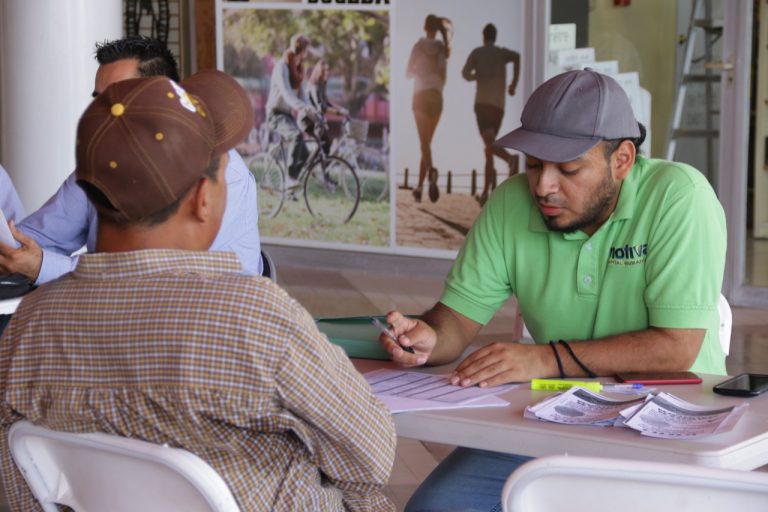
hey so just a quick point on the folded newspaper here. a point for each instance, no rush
(662, 415)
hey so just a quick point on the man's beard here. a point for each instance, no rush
(596, 209)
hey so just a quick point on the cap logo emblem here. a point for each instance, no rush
(184, 98)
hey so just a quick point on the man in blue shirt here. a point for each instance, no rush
(67, 221)
(9, 199)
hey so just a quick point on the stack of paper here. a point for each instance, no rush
(402, 391)
(579, 406)
(662, 415)
(669, 417)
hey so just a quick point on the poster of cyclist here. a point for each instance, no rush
(318, 77)
(456, 86)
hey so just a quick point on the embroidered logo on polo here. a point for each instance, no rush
(628, 255)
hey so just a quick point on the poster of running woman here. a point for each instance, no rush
(374, 119)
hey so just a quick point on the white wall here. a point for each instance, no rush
(46, 74)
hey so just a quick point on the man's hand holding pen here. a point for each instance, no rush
(407, 333)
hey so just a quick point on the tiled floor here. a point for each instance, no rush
(354, 292)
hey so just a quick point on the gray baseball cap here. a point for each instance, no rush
(569, 114)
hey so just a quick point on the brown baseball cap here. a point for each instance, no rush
(144, 142)
(571, 113)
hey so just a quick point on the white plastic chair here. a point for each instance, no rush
(97, 472)
(585, 484)
(726, 323)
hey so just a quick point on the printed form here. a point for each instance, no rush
(403, 390)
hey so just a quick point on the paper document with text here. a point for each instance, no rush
(661, 415)
(579, 406)
(670, 417)
(403, 390)
(5, 232)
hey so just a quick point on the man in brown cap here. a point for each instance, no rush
(153, 337)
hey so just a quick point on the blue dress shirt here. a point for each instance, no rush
(9, 199)
(67, 222)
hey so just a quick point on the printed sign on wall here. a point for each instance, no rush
(374, 119)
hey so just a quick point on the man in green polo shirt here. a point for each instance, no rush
(619, 256)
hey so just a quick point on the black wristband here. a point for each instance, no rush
(557, 358)
(589, 372)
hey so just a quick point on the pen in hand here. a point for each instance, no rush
(383, 328)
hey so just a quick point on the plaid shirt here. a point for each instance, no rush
(176, 347)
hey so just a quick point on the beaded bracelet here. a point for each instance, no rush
(576, 360)
(557, 358)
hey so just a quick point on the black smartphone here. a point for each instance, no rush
(746, 384)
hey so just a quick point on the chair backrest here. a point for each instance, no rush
(590, 484)
(726, 323)
(269, 269)
(97, 472)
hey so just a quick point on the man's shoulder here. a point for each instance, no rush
(666, 172)
(208, 291)
(661, 184)
(496, 51)
(511, 200)
(236, 168)
(241, 286)
(475, 51)
(506, 50)
(515, 190)
(68, 202)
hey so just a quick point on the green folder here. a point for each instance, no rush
(355, 334)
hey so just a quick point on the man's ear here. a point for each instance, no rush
(200, 200)
(623, 159)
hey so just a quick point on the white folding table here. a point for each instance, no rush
(503, 429)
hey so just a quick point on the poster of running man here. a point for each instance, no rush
(373, 119)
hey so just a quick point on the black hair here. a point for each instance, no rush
(611, 144)
(489, 33)
(155, 59)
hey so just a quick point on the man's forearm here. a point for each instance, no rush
(653, 349)
(454, 332)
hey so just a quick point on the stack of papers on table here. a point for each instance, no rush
(402, 391)
(669, 417)
(662, 415)
(579, 406)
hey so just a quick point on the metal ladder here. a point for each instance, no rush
(712, 31)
